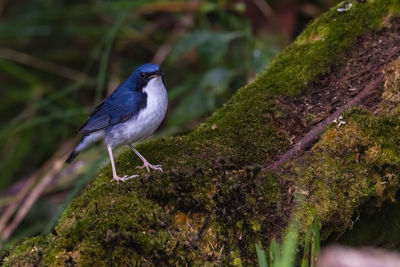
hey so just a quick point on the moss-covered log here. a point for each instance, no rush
(217, 196)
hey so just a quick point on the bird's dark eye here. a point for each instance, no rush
(143, 74)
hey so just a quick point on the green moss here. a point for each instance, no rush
(390, 95)
(28, 253)
(212, 190)
(309, 56)
(347, 168)
(121, 220)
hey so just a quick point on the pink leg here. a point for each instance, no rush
(146, 164)
(115, 176)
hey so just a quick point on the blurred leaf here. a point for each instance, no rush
(261, 257)
(201, 98)
(266, 47)
(208, 7)
(307, 250)
(215, 46)
(274, 253)
(192, 106)
(38, 120)
(212, 45)
(215, 82)
(311, 244)
(217, 79)
(106, 53)
(19, 73)
(289, 247)
(182, 88)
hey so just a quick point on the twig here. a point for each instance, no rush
(268, 12)
(26, 186)
(316, 132)
(11, 191)
(51, 168)
(29, 60)
(22, 188)
(265, 8)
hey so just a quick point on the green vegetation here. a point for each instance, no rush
(213, 200)
(285, 255)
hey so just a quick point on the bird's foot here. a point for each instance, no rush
(123, 179)
(149, 166)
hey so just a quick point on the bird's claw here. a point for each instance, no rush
(123, 179)
(149, 166)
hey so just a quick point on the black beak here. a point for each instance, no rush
(155, 74)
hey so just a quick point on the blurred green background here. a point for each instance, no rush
(58, 59)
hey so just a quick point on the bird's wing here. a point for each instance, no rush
(117, 108)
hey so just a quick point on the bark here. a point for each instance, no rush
(222, 190)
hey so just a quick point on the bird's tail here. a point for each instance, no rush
(72, 156)
(76, 150)
(86, 140)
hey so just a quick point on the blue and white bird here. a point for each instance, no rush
(131, 113)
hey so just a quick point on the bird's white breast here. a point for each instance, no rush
(148, 119)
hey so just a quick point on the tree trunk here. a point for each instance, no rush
(279, 150)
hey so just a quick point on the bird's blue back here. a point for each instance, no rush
(123, 104)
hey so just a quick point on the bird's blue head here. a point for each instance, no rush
(148, 68)
(143, 74)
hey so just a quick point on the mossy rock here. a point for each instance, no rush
(215, 198)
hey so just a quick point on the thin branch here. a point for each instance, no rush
(310, 137)
(40, 64)
(265, 8)
(51, 168)
(26, 187)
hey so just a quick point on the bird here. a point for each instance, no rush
(132, 112)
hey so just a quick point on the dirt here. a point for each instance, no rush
(331, 91)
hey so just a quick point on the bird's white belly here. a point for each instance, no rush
(136, 129)
(146, 122)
